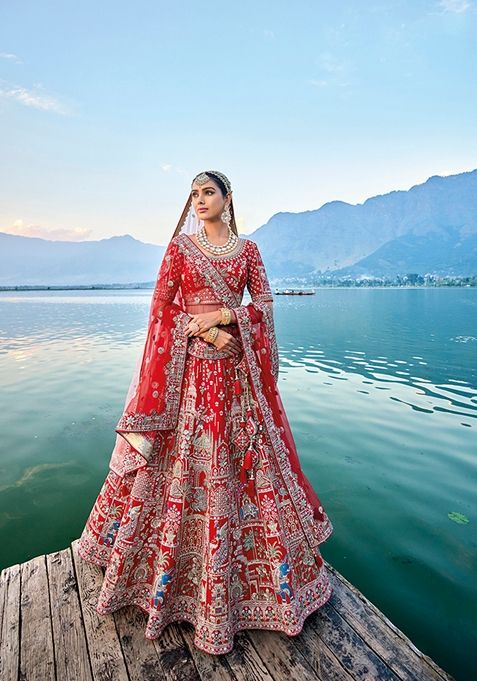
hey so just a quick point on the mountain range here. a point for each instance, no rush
(431, 228)
(428, 229)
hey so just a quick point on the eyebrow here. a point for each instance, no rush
(209, 187)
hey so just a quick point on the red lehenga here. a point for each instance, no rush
(205, 514)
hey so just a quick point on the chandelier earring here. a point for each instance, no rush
(226, 216)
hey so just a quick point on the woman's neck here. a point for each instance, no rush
(217, 231)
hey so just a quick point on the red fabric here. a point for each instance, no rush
(206, 515)
(274, 399)
(186, 271)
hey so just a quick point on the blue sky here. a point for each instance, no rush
(107, 110)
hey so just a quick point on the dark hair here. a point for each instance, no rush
(218, 181)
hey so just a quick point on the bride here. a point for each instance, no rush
(205, 514)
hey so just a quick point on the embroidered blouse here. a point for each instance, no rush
(180, 269)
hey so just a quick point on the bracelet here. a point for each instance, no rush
(226, 315)
(212, 334)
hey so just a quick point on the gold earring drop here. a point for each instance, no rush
(226, 216)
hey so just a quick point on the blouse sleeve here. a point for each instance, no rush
(261, 307)
(168, 281)
(257, 283)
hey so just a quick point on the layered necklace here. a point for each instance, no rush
(227, 247)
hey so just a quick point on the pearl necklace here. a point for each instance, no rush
(227, 247)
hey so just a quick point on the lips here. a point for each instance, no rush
(202, 210)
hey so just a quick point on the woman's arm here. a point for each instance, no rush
(259, 288)
(168, 282)
(260, 310)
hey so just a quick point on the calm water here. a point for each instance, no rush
(381, 391)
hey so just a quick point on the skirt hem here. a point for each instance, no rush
(240, 626)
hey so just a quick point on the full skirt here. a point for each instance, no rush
(184, 538)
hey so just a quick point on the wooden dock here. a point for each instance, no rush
(50, 631)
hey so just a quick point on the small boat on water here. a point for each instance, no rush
(295, 292)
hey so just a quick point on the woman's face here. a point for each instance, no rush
(208, 201)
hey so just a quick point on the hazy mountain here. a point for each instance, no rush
(431, 228)
(445, 254)
(120, 259)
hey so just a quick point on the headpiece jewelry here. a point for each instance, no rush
(202, 178)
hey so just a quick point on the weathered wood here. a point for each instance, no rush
(360, 661)
(37, 659)
(164, 658)
(313, 646)
(245, 661)
(210, 667)
(282, 659)
(390, 643)
(51, 631)
(10, 622)
(71, 651)
(105, 654)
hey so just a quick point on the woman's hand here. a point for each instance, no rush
(226, 342)
(205, 320)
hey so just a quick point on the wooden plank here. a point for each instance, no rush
(348, 638)
(245, 661)
(389, 642)
(10, 622)
(175, 656)
(312, 645)
(166, 657)
(281, 657)
(210, 667)
(71, 650)
(37, 658)
(104, 648)
(348, 647)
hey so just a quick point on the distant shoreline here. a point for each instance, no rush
(89, 287)
(20, 289)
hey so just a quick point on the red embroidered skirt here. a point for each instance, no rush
(185, 538)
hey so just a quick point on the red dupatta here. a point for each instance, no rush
(155, 402)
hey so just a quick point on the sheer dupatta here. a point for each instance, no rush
(152, 402)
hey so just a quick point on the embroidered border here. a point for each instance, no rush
(315, 531)
(174, 374)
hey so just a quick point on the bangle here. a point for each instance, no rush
(211, 334)
(226, 315)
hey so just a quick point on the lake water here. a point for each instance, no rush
(380, 386)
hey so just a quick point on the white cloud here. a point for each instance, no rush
(318, 83)
(11, 57)
(20, 228)
(32, 98)
(335, 72)
(169, 168)
(455, 6)
(268, 33)
(331, 64)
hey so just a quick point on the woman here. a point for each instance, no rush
(205, 514)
